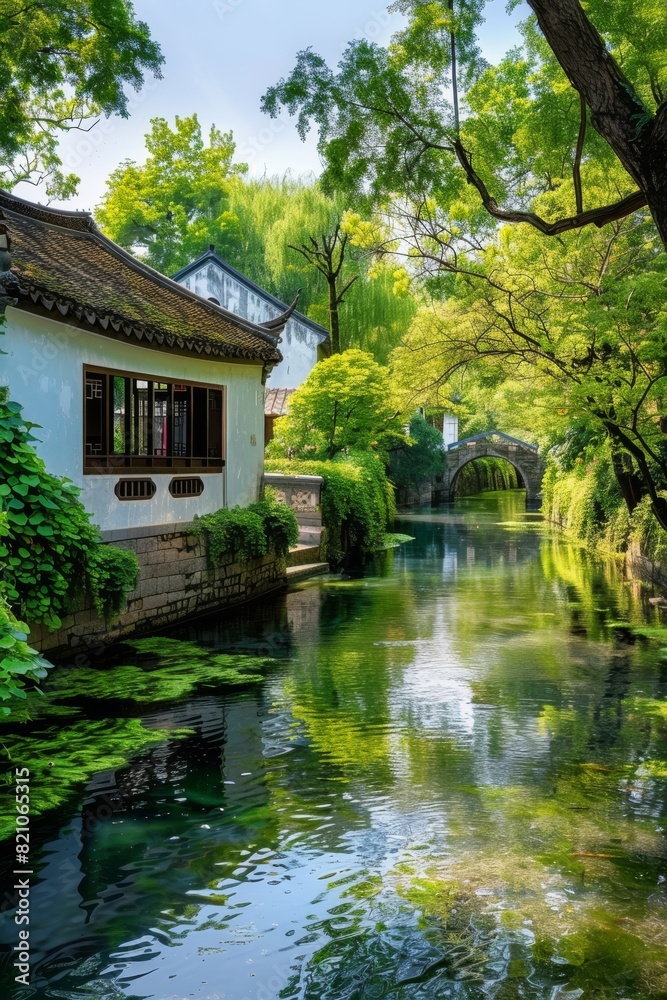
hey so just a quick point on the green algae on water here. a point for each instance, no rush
(172, 670)
(62, 760)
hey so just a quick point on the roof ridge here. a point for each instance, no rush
(63, 260)
(75, 220)
(212, 254)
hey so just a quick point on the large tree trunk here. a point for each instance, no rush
(628, 481)
(617, 113)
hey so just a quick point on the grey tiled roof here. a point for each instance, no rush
(65, 265)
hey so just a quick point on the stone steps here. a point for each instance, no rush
(302, 555)
(302, 572)
(310, 534)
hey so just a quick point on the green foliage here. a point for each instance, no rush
(386, 122)
(112, 574)
(47, 538)
(357, 500)
(420, 457)
(179, 201)
(49, 552)
(249, 532)
(61, 67)
(646, 533)
(280, 524)
(585, 501)
(64, 759)
(237, 531)
(19, 663)
(190, 194)
(170, 670)
(347, 402)
(486, 475)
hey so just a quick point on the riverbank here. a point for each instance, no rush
(586, 504)
(449, 778)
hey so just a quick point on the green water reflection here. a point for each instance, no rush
(448, 779)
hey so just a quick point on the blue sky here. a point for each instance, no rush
(221, 55)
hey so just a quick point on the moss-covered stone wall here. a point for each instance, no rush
(176, 582)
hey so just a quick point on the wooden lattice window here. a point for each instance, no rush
(137, 422)
(192, 487)
(135, 489)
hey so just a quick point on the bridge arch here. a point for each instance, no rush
(525, 458)
(522, 475)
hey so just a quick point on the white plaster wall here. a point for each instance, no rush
(43, 365)
(299, 341)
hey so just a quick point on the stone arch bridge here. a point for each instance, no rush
(524, 457)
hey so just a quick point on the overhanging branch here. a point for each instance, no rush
(596, 216)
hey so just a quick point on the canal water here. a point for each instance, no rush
(451, 781)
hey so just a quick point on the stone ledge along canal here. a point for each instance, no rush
(446, 779)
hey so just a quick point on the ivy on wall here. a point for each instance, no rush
(357, 500)
(49, 553)
(249, 532)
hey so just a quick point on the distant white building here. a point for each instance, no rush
(303, 342)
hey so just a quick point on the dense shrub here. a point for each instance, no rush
(249, 532)
(420, 457)
(586, 501)
(49, 553)
(280, 524)
(112, 574)
(48, 536)
(357, 500)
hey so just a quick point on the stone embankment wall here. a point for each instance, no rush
(175, 583)
(418, 495)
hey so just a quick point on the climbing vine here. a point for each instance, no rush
(112, 574)
(47, 535)
(249, 532)
(357, 500)
(49, 553)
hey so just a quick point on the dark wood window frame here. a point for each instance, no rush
(135, 489)
(182, 487)
(198, 433)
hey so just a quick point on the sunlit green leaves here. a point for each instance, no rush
(61, 67)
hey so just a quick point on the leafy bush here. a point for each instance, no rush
(19, 663)
(112, 574)
(238, 531)
(646, 533)
(420, 457)
(249, 532)
(347, 402)
(280, 524)
(48, 536)
(357, 500)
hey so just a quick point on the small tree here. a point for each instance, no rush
(329, 254)
(420, 457)
(346, 403)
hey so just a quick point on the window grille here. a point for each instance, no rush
(193, 487)
(135, 489)
(135, 422)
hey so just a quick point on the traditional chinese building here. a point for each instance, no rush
(148, 396)
(302, 342)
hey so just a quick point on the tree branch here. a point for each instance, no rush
(576, 167)
(596, 216)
